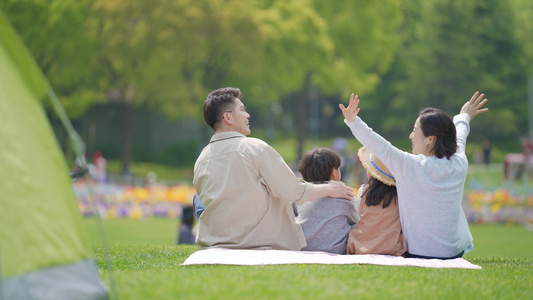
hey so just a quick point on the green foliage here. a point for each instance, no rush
(54, 33)
(164, 172)
(451, 49)
(398, 55)
(177, 155)
(523, 10)
(180, 154)
(169, 54)
(297, 43)
(365, 42)
(286, 148)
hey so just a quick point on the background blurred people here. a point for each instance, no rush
(486, 151)
(98, 168)
(185, 233)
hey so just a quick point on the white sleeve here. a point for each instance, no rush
(396, 160)
(462, 128)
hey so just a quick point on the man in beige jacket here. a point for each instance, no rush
(245, 185)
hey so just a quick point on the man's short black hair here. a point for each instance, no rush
(217, 102)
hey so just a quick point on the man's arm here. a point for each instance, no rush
(334, 189)
(282, 183)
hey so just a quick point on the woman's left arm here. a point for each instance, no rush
(471, 108)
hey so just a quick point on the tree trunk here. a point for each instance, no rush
(125, 113)
(302, 114)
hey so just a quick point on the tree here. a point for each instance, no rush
(451, 49)
(365, 42)
(297, 45)
(523, 20)
(169, 54)
(54, 33)
(523, 11)
(317, 48)
(360, 47)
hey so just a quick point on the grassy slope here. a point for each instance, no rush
(146, 266)
(153, 272)
(489, 240)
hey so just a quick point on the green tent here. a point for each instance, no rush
(43, 251)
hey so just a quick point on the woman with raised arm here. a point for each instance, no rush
(430, 181)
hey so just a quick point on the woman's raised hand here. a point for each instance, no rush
(351, 112)
(473, 106)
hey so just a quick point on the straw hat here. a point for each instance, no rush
(376, 168)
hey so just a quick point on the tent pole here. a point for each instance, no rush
(1, 278)
(79, 150)
(105, 247)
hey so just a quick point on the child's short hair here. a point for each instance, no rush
(316, 165)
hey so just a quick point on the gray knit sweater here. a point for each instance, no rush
(430, 192)
(326, 223)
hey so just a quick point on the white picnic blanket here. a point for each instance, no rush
(220, 256)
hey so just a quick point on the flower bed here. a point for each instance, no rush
(133, 202)
(499, 206)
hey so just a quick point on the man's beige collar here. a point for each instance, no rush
(226, 135)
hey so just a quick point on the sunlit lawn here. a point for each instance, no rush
(146, 265)
(489, 240)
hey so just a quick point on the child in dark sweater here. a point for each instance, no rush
(327, 221)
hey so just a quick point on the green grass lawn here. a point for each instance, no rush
(146, 265)
(146, 262)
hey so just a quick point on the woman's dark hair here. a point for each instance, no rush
(434, 121)
(316, 165)
(217, 102)
(379, 192)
